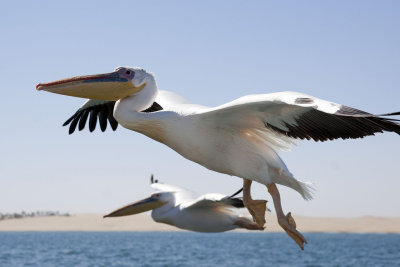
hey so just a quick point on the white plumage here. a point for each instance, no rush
(240, 138)
(185, 209)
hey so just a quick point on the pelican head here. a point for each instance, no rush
(155, 201)
(120, 83)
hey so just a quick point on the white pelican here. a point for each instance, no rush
(239, 138)
(209, 213)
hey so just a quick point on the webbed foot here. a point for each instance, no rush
(289, 225)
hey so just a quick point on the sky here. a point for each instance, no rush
(210, 52)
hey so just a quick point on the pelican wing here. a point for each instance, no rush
(94, 110)
(214, 200)
(298, 116)
(171, 101)
(168, 99)
(181, 195)
(168, 188)
(98, 110)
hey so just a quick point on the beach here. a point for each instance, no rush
(143, 222)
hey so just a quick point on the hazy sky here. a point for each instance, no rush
(211, 52)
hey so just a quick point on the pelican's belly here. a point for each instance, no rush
(200, 220)
(228, 152)
(211, 149)
(205, 220)
(216, 148)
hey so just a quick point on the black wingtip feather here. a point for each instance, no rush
(103, 119)
(110, 117)
(236, 193)
(321, 126)
(391, 114)
(92, 120)
(73, 124)
(69, 120)
(113, 123)
(83, 120)
(236, 202)
(103, 112)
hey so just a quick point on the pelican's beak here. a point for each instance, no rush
(109, 86)
(137, 207)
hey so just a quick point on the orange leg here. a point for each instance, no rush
(286, 222)
(256, 208)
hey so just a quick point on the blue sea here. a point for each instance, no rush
(195, 249)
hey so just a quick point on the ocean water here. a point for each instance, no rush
(195, 249)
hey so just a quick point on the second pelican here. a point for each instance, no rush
(182, 208)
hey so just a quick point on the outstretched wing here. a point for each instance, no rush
(171, 101)
(94, 110)
(168, 99)
(214, 201)
(180, 194)
(98, 110)
(299, 116)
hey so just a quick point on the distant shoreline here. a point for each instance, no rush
(143, 222)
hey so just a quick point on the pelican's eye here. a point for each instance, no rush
(126, 73)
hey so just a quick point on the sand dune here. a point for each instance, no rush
(95, 222)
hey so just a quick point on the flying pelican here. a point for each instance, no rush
(209, 213)
(239, 138)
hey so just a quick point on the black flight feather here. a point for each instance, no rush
(92, 120)
(102, 112)
(82, 122)
(73, 124)
(69, 120)
(103, 119)
(345, 123)
(235, 202)
(236, 193)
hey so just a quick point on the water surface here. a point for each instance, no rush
(194, 249)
